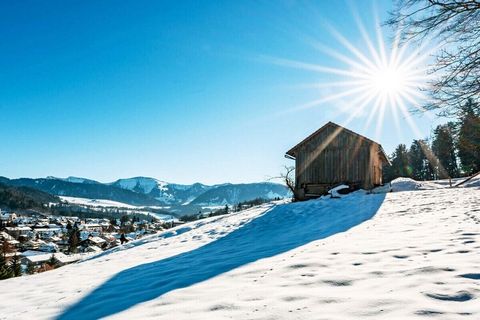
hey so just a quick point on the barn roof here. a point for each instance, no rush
(292, 153)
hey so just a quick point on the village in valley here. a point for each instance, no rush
(34, 242)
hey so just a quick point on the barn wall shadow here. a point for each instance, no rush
(282, 228)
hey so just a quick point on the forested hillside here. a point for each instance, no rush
(24, 198)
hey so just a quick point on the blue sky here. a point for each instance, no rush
(178, 90)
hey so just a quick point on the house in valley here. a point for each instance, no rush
(334, 155)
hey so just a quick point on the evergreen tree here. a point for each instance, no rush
(52, 262)
(443, 147)
(124, 220)
(387, 172)
(30, 268)
(73, 239)
(5, 270)
(400, 165)
(468, 143)
(15, 266)
(417, 160)
(5, 248)
(430, 168)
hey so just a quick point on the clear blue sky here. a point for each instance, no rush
(177, 90)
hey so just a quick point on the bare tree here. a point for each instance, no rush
(287, 177)
(455, 25)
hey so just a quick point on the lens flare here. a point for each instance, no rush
(383, 78)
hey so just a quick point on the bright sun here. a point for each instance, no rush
(388, 81)
(383, 77)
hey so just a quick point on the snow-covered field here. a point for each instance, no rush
(96, 204)
(400, 255)
(101, 203)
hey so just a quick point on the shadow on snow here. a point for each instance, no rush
(280, 229)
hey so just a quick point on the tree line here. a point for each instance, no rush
(452, 152)
(19, 198)
(226, 210)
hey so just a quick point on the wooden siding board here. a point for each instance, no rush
(347, 158)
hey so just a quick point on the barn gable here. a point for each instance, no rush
(337, 130)
(333, 155)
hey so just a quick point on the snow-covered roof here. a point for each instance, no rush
(90, 225)
(61, 257)
(49, 244)
(97, 240)
(31, 253)
(5, 235)
(47, 230)
(39, 258)
(94, 249)
(18, 228)
(64, 258)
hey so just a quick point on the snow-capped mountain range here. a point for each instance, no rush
(145, 191)
(167, 193)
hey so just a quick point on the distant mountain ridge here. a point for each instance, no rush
(61, 187)
(236, 193)
(146, 191)
(167, 193)
(12, 197)
(75, 180)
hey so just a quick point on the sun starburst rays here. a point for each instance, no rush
(382, 78)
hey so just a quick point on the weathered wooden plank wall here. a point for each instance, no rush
(335, 156)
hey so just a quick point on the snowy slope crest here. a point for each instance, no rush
(407, 184)
(74, 180)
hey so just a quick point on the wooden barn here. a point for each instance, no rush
(334, 155)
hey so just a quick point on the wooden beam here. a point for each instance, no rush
(466, 180)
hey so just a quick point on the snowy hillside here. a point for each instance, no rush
(400, 255)
(78, 180)
(160, 213)
(140, 184)
(101, 203)
(167, 193)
